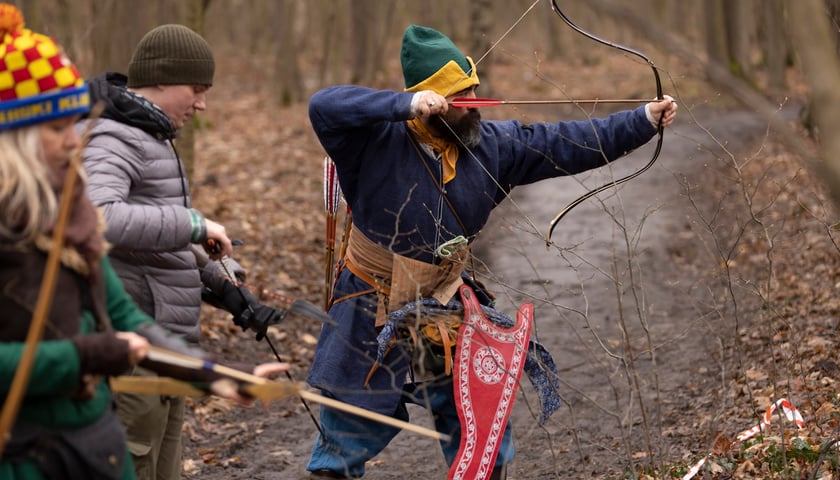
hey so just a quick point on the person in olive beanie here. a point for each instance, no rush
(171, 55)
(138, 180)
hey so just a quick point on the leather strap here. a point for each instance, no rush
(380, 286)
(447, 346)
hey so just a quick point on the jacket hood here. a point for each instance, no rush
(125, 106)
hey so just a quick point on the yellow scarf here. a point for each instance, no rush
(446, 149)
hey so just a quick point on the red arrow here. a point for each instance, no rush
(467, 102)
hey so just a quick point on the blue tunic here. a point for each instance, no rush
(396, 203)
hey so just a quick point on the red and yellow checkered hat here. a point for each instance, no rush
(37, 80)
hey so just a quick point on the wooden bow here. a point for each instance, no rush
(255, 386)
(659, 129)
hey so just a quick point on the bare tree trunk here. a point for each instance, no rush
(195, 16)
(718, 74)
(739, 28)
(103, 31)
(776, 47)
(258, 26)
(716, 47)
(833, 7)
(115, 29)
(438, 14)
(67, 37)
(362, 41)
(558, 37)
(812, 36)
(31, 10)
(480, 41)
(287, 72)
(332, 43)
(382, 35)
(589, 20)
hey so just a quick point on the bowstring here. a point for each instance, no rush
(510, 29)
(472, 155)
(633, 54)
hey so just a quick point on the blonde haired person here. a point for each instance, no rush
(66, 427)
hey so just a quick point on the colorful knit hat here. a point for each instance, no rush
(37, 80)
(430, 61)
(171, 55)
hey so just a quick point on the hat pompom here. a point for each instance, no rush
(11, 20)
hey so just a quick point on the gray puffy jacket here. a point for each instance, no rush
(138, 180)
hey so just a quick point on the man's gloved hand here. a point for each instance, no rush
(260, 319)
(247, 311)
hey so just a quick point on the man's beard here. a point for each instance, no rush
(466, 131)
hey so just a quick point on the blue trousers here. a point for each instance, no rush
(351, 440)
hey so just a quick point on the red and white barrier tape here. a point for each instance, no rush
(791, 413)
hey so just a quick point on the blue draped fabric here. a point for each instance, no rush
(539, 364)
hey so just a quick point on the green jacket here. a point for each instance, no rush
(56, 374)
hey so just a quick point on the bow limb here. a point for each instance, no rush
(154, 386)
(660, 131)
(265, 390)
(11, 407)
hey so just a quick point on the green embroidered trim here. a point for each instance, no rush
(199, 229)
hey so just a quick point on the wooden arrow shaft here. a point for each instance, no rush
(377, 417)
(491, 102)
(162, 355)
(265, 390)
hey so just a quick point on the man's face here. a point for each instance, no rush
(460, 125)
(180, 102)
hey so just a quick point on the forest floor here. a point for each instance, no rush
(738, 273)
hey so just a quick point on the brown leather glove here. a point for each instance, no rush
(102, 354)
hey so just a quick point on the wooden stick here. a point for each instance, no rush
(154, 386)
(162, 355)
(166, 356)
(377, 417)
(266, 390)
(464, 102)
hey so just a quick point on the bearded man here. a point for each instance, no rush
(421, 178)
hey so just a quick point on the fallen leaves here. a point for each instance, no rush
(773, 286)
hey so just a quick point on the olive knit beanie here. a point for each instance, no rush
(171, 55)
(430, 61)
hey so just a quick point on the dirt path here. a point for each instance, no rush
(612, 286)
(629, 341)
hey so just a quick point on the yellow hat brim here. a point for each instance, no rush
(450, 79)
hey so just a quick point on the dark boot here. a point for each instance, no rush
(499, 473)
(324, 473)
